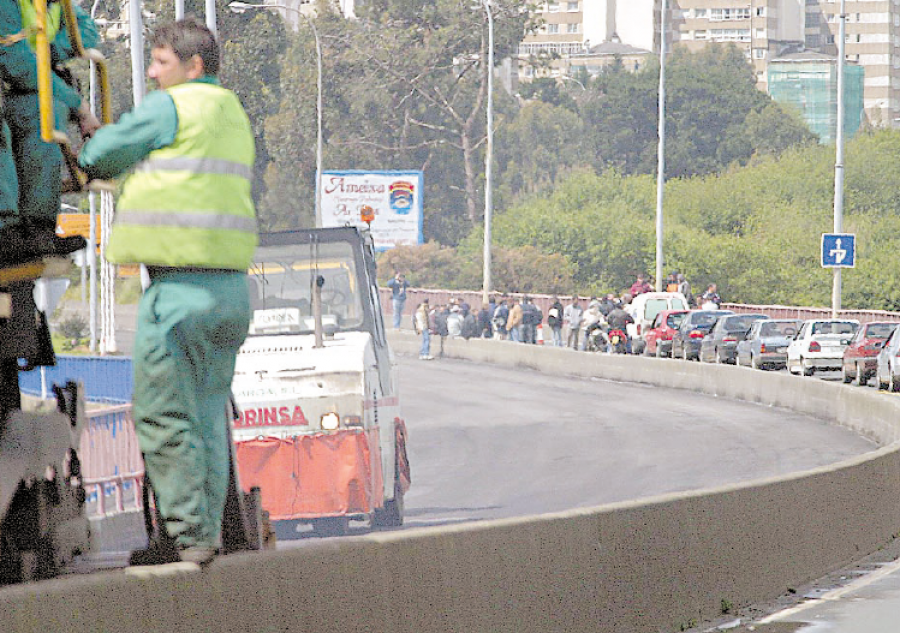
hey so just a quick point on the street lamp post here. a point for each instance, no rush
(240, 7)
(661, 149)
(839, 159)
(489, 157)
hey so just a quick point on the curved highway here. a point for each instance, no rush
(490, 442)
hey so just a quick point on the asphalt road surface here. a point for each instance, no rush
(488, 442)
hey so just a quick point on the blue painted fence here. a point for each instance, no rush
(105, 378)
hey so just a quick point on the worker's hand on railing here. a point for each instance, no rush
(87, 122)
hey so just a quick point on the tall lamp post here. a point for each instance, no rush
(240, 7)
(661, 150)
(839, 159)
(489, 157)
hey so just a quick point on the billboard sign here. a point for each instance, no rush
(395, 196)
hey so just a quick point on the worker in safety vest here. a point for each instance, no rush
(187, 213)
(29, 229)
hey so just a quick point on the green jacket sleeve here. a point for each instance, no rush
(18, 65)
(90, 38)
(115, 148)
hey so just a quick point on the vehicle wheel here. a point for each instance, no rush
(806, 371)
(846, 376)
(894, 384)
(331, 526)
(754, 362)
(391, 515)
(861, 378)
(881, 384)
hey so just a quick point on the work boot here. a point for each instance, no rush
(19, 244)
(14, 245)
(161, 551)
(202, 556)
(43, 240)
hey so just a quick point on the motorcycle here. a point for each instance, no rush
(595, 338)
(618, 341)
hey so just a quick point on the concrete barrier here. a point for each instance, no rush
(659, 564)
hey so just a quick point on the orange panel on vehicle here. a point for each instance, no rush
(309, 476)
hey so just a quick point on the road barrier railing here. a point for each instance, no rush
(657, 564)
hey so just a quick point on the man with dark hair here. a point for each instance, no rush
(186, 213)
(398, 286)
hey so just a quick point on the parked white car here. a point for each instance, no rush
(819, 345)
(887, 365)
(644, 308)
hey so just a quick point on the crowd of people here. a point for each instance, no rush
(578, 324)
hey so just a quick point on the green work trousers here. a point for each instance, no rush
(190, 327)
(9, 184)
(38, 163)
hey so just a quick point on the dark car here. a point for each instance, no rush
(861, 356)
(695, 326)
(720, 346)
(765, 346)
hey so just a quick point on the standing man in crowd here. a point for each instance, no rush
(514, 321)
(711, 299)
(398, 286)
(187, 214)
(555, 321)
(572, 320)
(422, 324)
(640, 286)
(531, 319)
(501, 316)
(684, 287)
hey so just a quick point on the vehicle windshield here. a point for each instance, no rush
(879, 330)
(838, 327)
(700, 319)
(776, 328)
(655, 306)
(281, 284)
(741, 323)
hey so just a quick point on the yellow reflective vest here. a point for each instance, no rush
(189, 204)
(29, 20)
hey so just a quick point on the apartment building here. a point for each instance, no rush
(591, 34)
(762, 28)
(872, 41)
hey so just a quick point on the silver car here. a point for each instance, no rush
(765, 346)
(887, 367)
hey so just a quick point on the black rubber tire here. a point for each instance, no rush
(861, 378)
(331, 526)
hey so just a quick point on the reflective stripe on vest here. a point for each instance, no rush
(197, 166)
(189, 203)
(147, 217)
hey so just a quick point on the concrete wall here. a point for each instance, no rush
(646, 566)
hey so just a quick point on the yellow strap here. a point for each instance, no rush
(21, 272)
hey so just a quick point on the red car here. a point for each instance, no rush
(860, 356)
(658, 337)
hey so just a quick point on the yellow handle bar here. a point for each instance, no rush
(49, 134)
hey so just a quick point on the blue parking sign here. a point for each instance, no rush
(838, 250)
